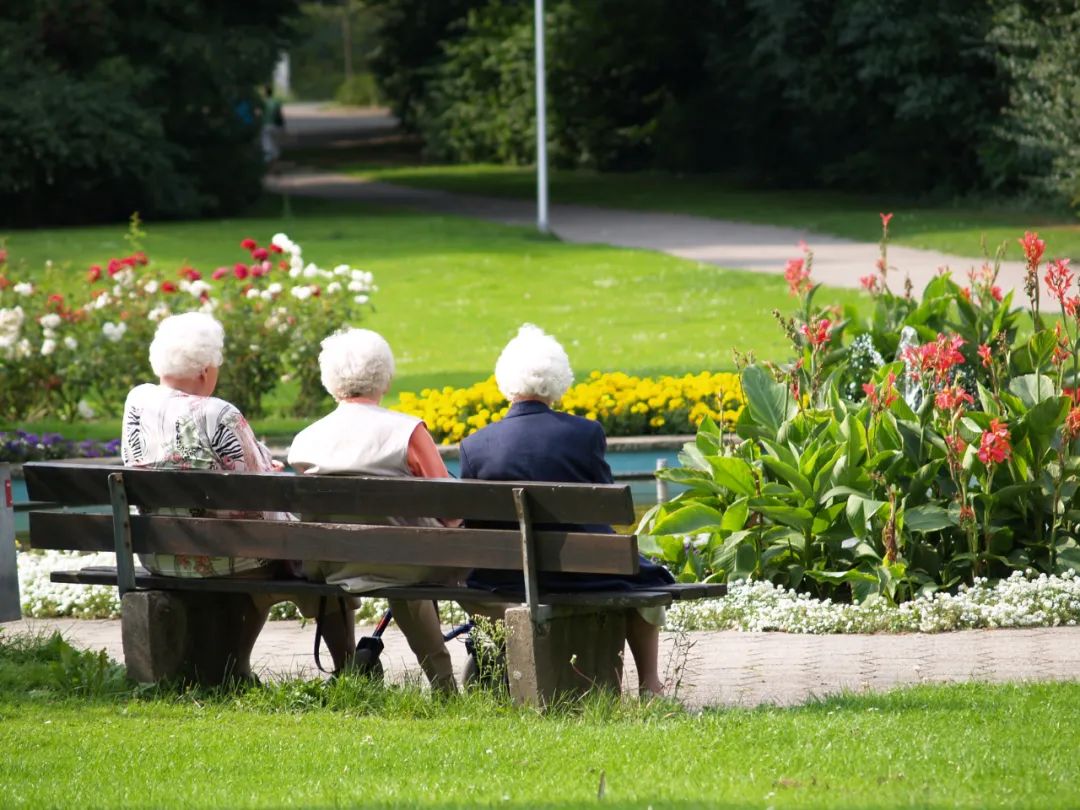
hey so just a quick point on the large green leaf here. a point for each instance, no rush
(769, 402)
(789, 475)
(733, 473)
(1032, 388)
(927, 518)
(694, 517)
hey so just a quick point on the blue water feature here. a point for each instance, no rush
(634, 468)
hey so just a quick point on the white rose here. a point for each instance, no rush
(311, 271)
(50, 321)
(151, 286)
(84, 409)
(357, 286)
(114, 331)
(157, 313)
(252, 293)
(341, 270)
(23, 288)
(361, 299)
(199, 288)
(48, 347)
(333, 287)
(274, 289)
(23, 348)
(48, 333)
(300, 293)
(71, 343)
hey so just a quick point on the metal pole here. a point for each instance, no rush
(541, 124)
(661, 484)
(10, 609)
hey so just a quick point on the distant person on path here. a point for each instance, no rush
(177, 424)
(273, 125)
(360, 437)
(534, 443)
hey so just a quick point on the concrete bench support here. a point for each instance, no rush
(203, 638)
(568, 654)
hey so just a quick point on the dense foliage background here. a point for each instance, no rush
(894, 95)
(110, 106)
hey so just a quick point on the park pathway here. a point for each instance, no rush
(737, 245)
(721, 669)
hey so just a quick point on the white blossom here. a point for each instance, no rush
(102, 301)
(252, 293)
(333, 287)
(48, 346)
(361, 299)
(199, 288)
(274, 289)
(114, 331)
(157, 313)
(300, 293)
(151, 286)
(84, 409)
(311, 271)
(23, 288)
(50, 321)
(71, 343)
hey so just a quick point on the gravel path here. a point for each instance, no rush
(724, 669)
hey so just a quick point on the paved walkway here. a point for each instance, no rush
(724, 669)
(740, 245)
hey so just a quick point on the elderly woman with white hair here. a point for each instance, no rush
(177, 424)
(360, 437)
(535, 443)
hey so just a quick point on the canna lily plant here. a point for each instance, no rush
(958, 459)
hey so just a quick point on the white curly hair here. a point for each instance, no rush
(185, 345)
(533, 366)
(356, 363)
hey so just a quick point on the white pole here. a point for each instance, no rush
(541, 124)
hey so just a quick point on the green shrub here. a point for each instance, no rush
(358, 91)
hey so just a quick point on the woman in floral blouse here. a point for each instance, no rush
(178, 424)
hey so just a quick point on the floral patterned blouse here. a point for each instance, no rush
(167, 429)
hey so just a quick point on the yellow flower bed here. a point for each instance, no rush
(625, 405)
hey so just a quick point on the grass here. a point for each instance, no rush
(312, 744)
(952, 228)
(453, 290)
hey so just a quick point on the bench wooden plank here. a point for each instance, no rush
(83, 484)
(104, 575)
(338, 542)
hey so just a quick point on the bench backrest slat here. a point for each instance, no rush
(384, 545)
(75, 484)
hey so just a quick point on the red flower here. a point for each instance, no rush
(885, 219)
(260, 269)
(94, 273)
(984, 354)
(1033, 248)
(240, 271)
(220, 273)
(4, 283)
(190, 273)
(1072, 424)
(1058, 278)
(249, 244)
(1072, 306)
(274, 248)
(871, 393)
(168, 287)
(952, 398)
(994, 447)
(55, 300)
(115, 266)
(797, 276)
(818, 333)
(886, 395)
(995, 291)
(937, 357)
(284, 265)
(140, 258)
(869, 283)
(966, 292)
(259, 254)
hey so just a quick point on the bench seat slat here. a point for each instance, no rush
(74, 484)
(104, 575)
(338, 542)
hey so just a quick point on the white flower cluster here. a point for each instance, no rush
(12, 345)
(42, 598)
(359, 282)
(1022, 600)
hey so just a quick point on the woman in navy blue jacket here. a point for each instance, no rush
(534, 443)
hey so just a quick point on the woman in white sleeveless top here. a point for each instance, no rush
(360, 437)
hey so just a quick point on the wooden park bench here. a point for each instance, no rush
(557, 643)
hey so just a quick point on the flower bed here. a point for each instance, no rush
(624, 404)
(950, 458)
(74, 354)
(1022, 600)
(19, 446)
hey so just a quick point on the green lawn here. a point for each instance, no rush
(452, 291)
(315, 745)
(955, 229)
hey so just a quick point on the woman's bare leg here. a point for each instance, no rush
(644, 641)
